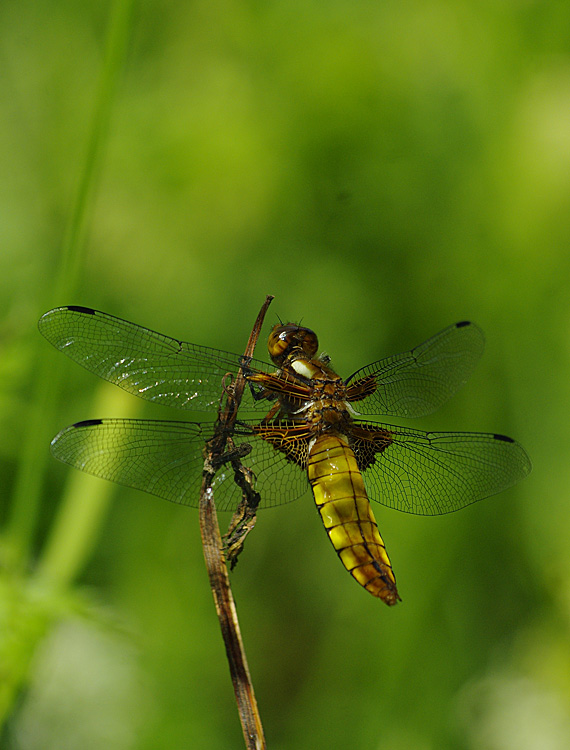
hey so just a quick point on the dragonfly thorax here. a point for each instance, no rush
(327, 408)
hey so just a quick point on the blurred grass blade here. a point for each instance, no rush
(27, 490)
(115, 53)
(83, 505)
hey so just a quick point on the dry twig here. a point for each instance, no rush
(220, 449)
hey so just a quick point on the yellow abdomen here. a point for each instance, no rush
(342, 501)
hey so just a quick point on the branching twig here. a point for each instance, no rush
(220, 449)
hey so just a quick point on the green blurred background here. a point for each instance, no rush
(384, 169)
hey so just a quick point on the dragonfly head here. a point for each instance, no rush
(285, 339)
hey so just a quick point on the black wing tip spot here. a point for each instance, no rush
(80, 309)
(463, 323)
(87, 423)
(504, 438)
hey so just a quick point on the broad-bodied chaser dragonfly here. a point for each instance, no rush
(308, 427)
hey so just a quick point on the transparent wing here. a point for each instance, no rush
(166, 459)
(418, 382)
(145, 363)
(431, 473)
(414, 472)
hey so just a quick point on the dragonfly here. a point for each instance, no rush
(300, 424)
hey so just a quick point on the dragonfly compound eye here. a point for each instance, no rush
(284, 338)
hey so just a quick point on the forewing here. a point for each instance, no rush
(145, 363)
(418, 382)
(431, 473)
(166, 459)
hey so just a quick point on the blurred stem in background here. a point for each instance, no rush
(83, 506)
(27, 492)
(30, 609)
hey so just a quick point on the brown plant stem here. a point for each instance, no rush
(215, 454)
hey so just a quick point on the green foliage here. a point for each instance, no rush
(383, 169)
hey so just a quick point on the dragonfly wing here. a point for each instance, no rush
(162, 458)
(143, 362)
(431, 473)
(165, 459)
(418, 382)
